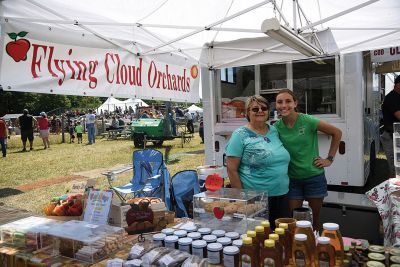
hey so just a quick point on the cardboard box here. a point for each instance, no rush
(117, 215)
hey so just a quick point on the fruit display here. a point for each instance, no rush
(65, 206)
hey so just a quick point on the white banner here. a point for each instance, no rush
(385, 54)
(31, 65)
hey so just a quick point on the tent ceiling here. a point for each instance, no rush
(178, 26)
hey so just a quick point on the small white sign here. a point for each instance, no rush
(385, 54)
(98, 207)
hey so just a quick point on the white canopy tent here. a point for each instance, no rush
(194, 108)
(134, 102)
(211, 34)
(110, 105)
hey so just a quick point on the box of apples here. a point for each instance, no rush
(66, 207)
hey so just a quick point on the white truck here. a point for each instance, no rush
(342, 90)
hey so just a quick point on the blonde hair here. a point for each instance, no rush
(258, 99)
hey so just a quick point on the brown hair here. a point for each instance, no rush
(255, 98)
(290, 92)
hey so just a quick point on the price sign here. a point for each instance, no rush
(214, 182)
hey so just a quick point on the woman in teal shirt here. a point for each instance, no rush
(256, 158)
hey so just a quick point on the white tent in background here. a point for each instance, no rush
(194, 108)
(110, 104)
(133, 102)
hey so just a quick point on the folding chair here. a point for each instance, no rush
(150, 177)
(184, 185)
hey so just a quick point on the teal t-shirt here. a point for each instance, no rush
(263, 160)
(302, 143)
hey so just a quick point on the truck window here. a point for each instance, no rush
(236, 85)
(273, 79)
(314, 84)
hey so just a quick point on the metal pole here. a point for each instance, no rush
(62, 129)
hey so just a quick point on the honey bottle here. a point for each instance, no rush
(325, 253)
(267, 227)
(288, 239)
(281, 233)
(260, 235)
(253, 236)
(301, 254)
(278, 245)
(305, 227)
(269, 255)
(331, 230)
(248, 254)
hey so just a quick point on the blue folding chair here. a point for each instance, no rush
(184, 185)
(150, 177)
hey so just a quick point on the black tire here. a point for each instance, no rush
(138, 140)
(158, 143)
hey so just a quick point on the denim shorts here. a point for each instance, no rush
(312, 187)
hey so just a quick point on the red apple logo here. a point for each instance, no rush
(18, 49)
(219, 212)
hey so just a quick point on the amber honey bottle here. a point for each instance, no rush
(331, 230)
(260, 236)
(267, 228)
(249, 256)
(281, 233)
(288, 239)
(269, 255)
(301, 254)
(325, 253)
(253, 236)
(278, 245)
(305, 227)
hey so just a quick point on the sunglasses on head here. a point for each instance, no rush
(257, 109)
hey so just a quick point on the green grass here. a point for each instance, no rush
(21, 168)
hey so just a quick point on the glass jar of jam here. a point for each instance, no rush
(204, 231)
(194, 235)
(199, 248)
(224, 241)
(171, 241)
(237, 243)
(185, 244)
(158, 239)
(180, 233)
(218, 233)
(210, 238)
(232, 235)
(168, 231)
(214, 253)
(231, 256)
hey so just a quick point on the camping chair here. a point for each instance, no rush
(150, 177)
(184, 185)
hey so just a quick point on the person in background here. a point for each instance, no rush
(26, 123)
(79, 131)
(298, 133)
(3, 137)
(90, 126)
(391, 114)
(151, 115)
(145, 115)
(44, 129)
(257, 159)
(71, 130)
(189, 121)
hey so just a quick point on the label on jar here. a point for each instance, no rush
(137, 250)
(300, 258)
(198, 252)
(158, 243)
(246, 260)
(323, 259)
(166, 260)
(214, 257)
(268, 262)
(170, 245)
(229, 260)
(185, 248)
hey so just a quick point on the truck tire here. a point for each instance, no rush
(158, 143)
(138, 140)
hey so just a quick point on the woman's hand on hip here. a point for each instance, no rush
(322, 163)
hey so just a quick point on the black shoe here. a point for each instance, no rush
(24, 150)
(31, 148)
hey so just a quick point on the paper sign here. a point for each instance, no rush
(214, 182)
(80, 187)
(98, 207)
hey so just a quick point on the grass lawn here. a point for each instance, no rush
(61, 160)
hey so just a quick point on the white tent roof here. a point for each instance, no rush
(194, 108)
(133, 102)
(110, 104)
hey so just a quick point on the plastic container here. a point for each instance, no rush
(325, 253)
(301, 252)
(158, 239)
(288, 239)
(285, 253)
(260, 235)
(267, 227)
(199, 248)
(204, 231)
(278, 245)
(232, 235)
(180, 233)
(171, 241)
(231, 256)
(331, 230)
(214, 253)
(307, 206)
(305, 227)
(185, 244)
(237, 243)
(204, 171)
(249, 255)
(269, 255)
